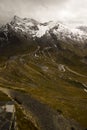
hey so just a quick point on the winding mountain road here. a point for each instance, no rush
(74, 72)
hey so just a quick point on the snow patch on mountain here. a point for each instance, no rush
(41, 30)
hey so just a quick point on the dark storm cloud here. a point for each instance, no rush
(44, 10)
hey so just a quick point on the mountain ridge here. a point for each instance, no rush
(50, 34)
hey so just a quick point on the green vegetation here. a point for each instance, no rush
(22, 122)
(3, 97)
(42, 78)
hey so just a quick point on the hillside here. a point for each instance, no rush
(49, 62)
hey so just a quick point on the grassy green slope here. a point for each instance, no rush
(45, 79)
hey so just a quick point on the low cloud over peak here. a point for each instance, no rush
(44, 10)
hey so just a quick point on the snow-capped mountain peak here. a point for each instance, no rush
(35, 29)
(47, 35)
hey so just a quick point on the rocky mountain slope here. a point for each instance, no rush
(51, 35)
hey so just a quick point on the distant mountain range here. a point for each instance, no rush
(45, 35)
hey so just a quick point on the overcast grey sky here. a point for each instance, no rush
(44, 10)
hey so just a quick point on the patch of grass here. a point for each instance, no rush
(22, 122)
(3, 97)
